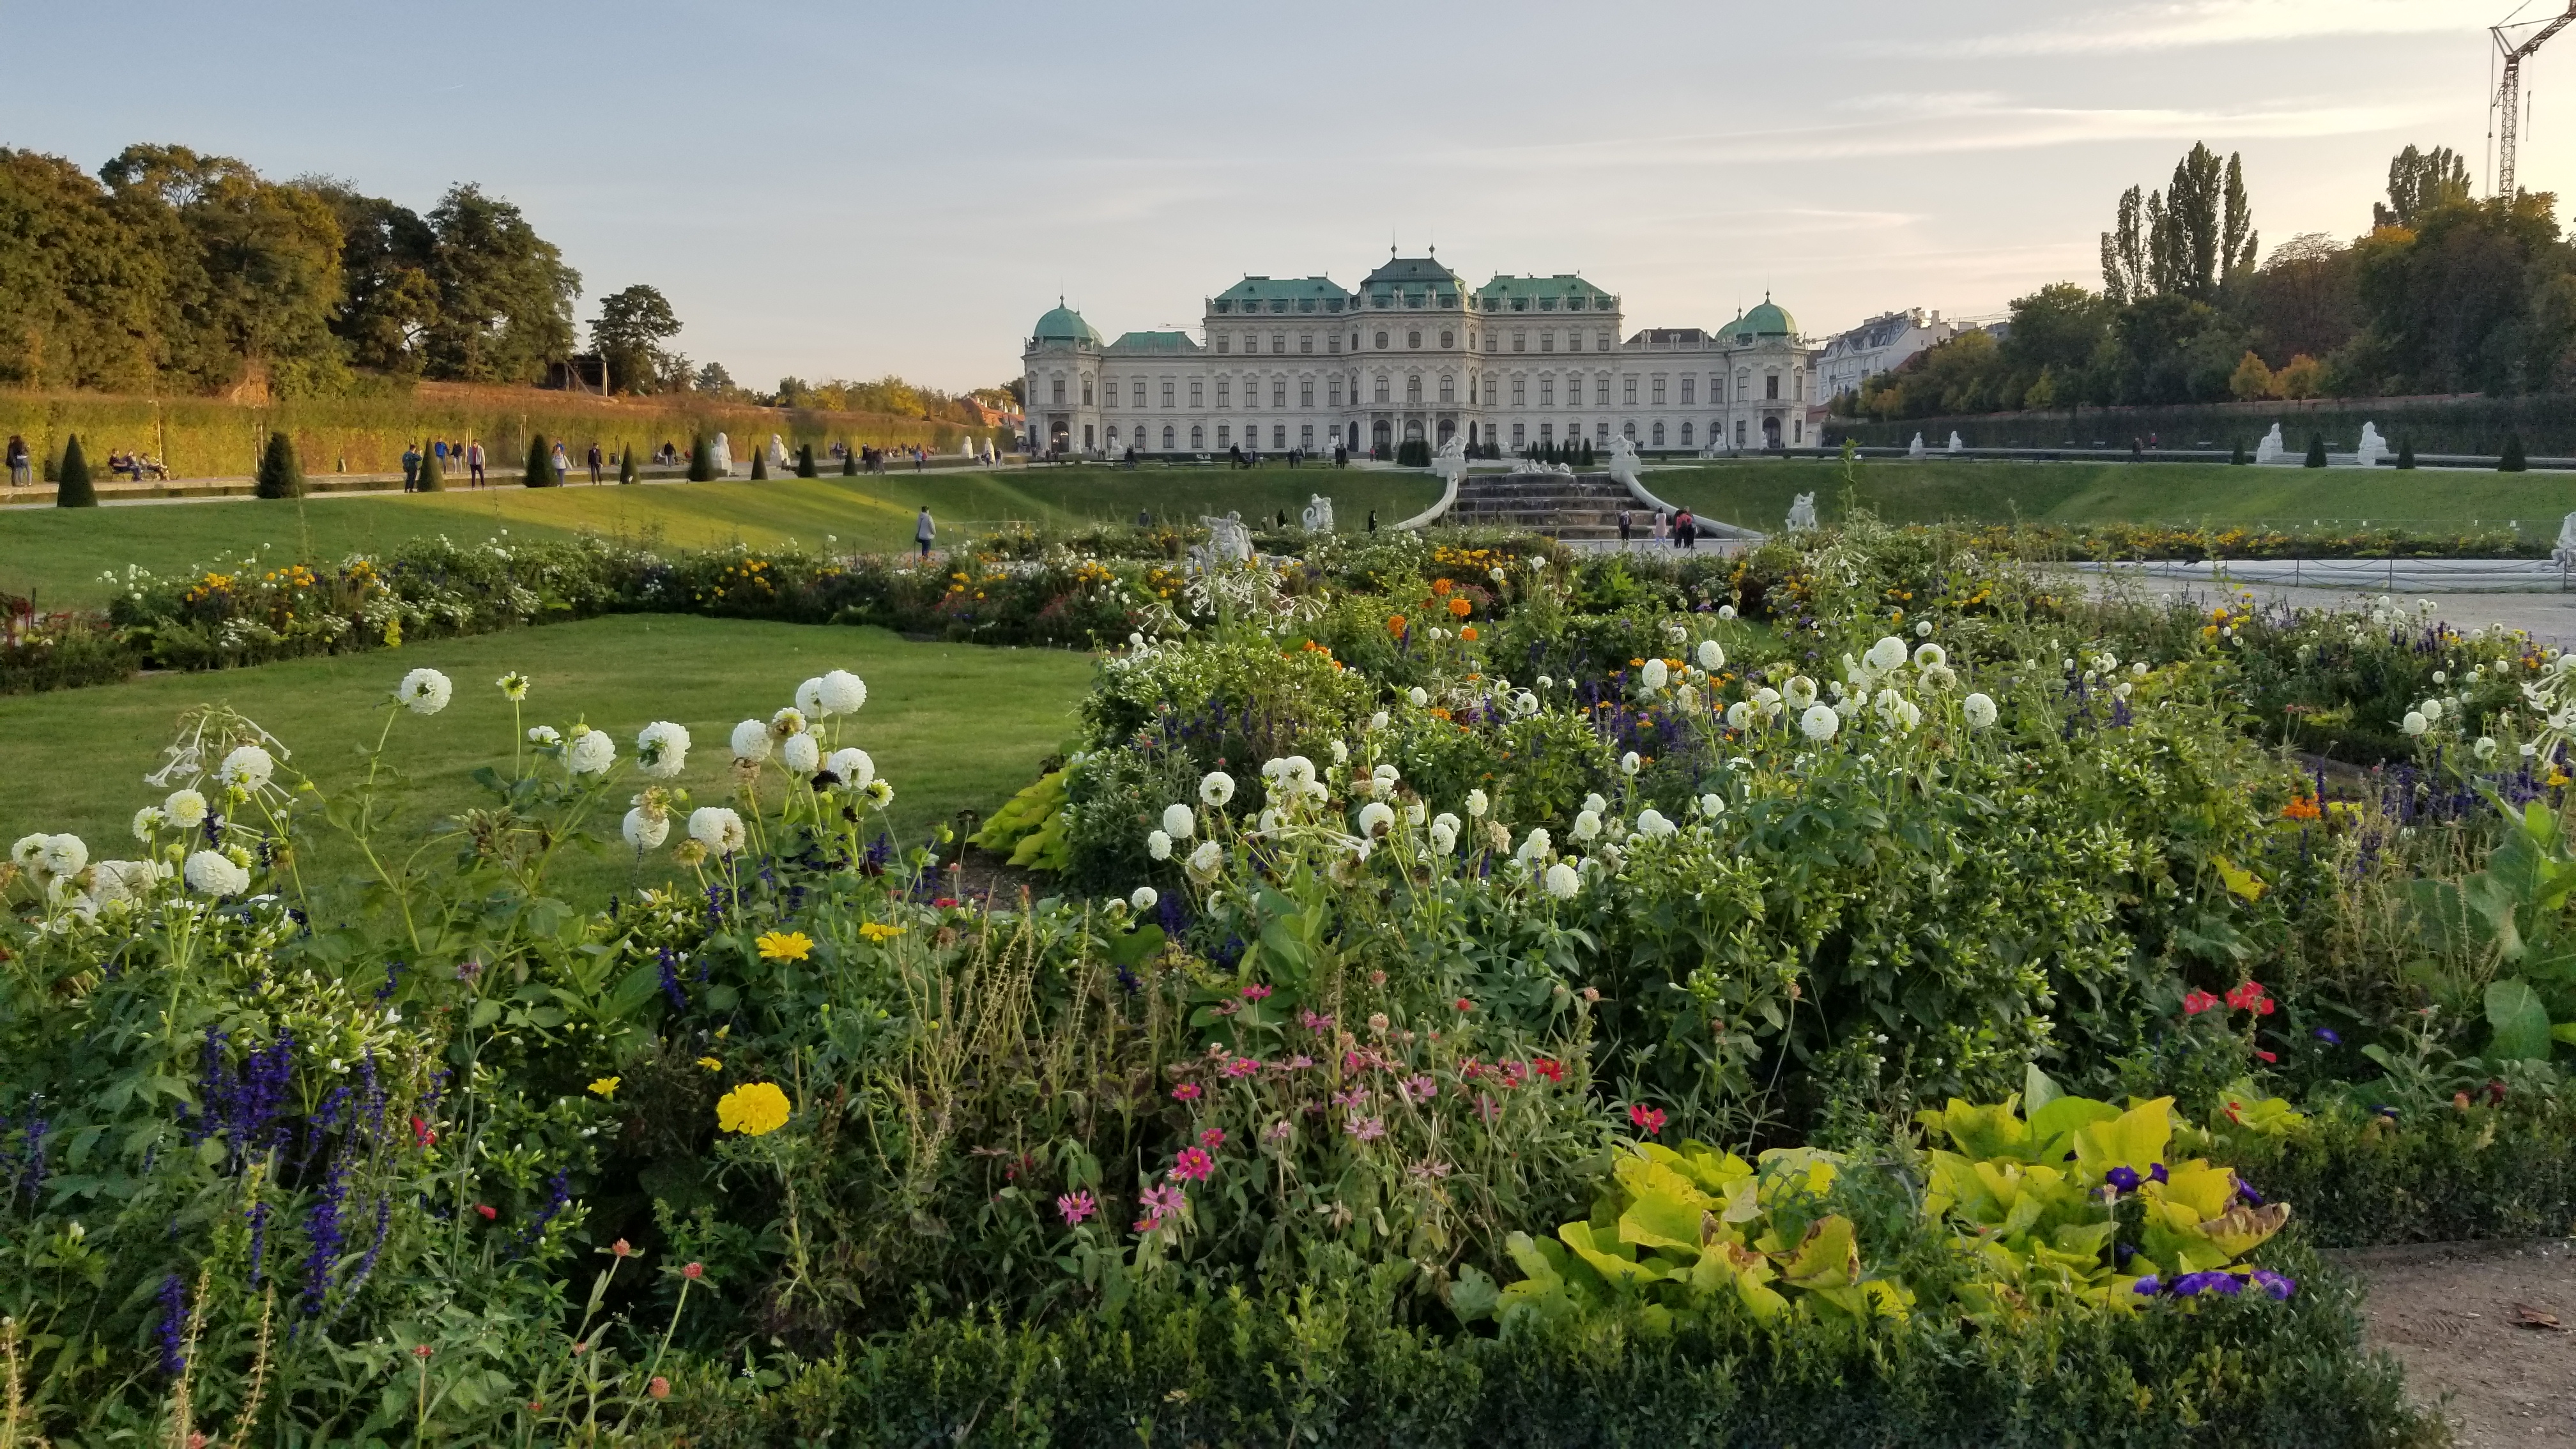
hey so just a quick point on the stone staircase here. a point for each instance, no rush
(1577, 506)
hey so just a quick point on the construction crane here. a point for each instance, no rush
(2508, 96)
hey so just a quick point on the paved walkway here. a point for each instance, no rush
(2547, 617)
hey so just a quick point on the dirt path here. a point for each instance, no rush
(2458, 1315)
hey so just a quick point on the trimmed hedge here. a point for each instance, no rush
(2439, 1176)
(1335, 1367)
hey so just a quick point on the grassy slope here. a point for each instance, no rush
(76, 759)
(1757, 493)
(59, 554)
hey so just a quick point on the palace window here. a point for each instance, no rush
(1412, 339)
(1448, 339)
(1520, 340)
(1493, 390)
(1687, 381)
(1305, 392)
(1628, 430)
(1493, 343)
(1333, 391)
(1601, 390)
(1113, 437)
(1800, 377)
(1198, 437)
(1739, 432)
(1198, 394)
(1601, 343)
(1743, 384)
(1279, 435)
(1771, 387)
(1333, 343)
(1381, 342)
(1306, 437)
(1601, 434)
(1659, 389)
(1224, 387)
(1659, 432)
(1086, 390)
(1413, 388)
(1224, 436)
(1520, 392)
(1169, 441)
(1136, 391)
(1167, 392)
(1381, 387)
(1224, 342)
(1546, 434)
(1628, 390)
(1448, 388)
(1279, 392)
(1547, 342)
(1686, 435)
(1278, 342)
(1518, 434)
(1059, 390)
(1546, 393)
(1305, 342)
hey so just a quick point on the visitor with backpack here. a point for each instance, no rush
(411, 466)
(923, 530)
(21, 462)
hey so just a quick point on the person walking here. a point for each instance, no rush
(21, 463)
(474, 461)
(1144, 519)
(923, 531)
(562, 463)
(1372, 520)
(1686, 529)
(1625, 524)
(594, 462)
(411, 466)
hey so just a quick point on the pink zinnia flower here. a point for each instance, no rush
(1162, 1202)
(1356, 1096)
(1186, 1092)
(1366, 1129)
(1278, 1132)
(1300, 1063)
(1193, 1165)
(1419, 1088)
(1076, 1206)
(1212, 1139)
(1649, 1119)
(1242, 1067)
(1256, 993)
(1319, 1025)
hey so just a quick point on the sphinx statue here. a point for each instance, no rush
(1802, 511)
(2269, 449)
(722, 451)
(1318, 515)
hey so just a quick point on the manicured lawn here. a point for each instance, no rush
(1756, 494)
(952, 726)
(58, 555)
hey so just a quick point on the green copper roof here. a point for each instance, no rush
(1152, 342)
(1282, 295)
(1063, 324)
(1766, 320)
(1564, 292)
(1414, 272)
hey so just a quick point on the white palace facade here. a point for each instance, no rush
(1415, 353)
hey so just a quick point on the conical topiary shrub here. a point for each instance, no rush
(73, 489)
(626, 464)
(849, 461)
(805, 461)
(541, 464)
(2512, 461)
(759, 464)
(702, 460)
(2406, 452)
(433, 478)
(2236, 455)
(2316, 450)
(281, 473)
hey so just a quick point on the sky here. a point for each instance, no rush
(852, 189)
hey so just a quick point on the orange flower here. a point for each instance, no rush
(1395, 624)
(1459, 607)
(1440, 586)
(1468, 633)
(2302, 808)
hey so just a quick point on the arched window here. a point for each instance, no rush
(1659, 433)
(1168, 440)
(1086, 389)
(1628, 431)
(1198, 437)
(1686, 435)
(1413, 388)
(1448, 388)
(1381, 387)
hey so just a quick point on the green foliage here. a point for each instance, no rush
(72, 487)
(2316, 451)
(626, 464)
(2512, 461)
(805, 461)
(433, 478)
(539, 470)
(850, 461)
(702, 459)
(759, 464)
(2406, 453)
(1413, 453)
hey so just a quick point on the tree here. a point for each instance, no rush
(2316, 450)
(713, 378)
(2419, 183)
(849, 460)
(702, 459)
(805, 461)
(2124, 252)
(2236, 454)
(2512, 461)
(2304, 377)
(83, 293)
(541, 464)
(759, 462)
(2406, 453)
(2185, 240)
(387, 300)
(626, 464)
(629, 333)
(2251, 379)
(72, 488)
(433, 479)
(2457, 305)
(2301, 299)
(281, 473)
(504, 294)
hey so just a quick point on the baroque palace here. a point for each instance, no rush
(1415, 354)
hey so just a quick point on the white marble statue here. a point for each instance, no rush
(2564, 555)
(1449, 465)
(1956, 446)
(1802, 510)
(2270, 448)
(777, 451)
(966, 448)
(2373, 446)
(1318, 516)
(1914, 450)
(1623, 462)
(1229, 539)
(723, 454)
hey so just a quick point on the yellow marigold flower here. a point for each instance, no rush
(711, 1064)
(785, 946)
(754, 1109)
(605, 1088)
(879, 932)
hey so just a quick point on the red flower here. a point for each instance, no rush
(1649, 1119)
(420, 1350)
(622, 1248)
(1256, 993)
(2250, 997)
(422, 1133)
(1548, 1067)
(488, 1213)
(660, 1388)
(944, 903)
(1193, 1165)
(1212, 1138)
(1465, 1005)
(694, 1271)
(2267, 1057)
(1186, 1092)
(2196, 1002)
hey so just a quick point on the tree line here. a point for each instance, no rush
(175, 272)
(2446, 293)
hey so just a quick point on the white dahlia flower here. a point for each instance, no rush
(1586, 826)
(662, 749)
(1631, 762)
(1739, 715)
(801, 755)
(1535, 845)
(591, 753)
(424, 691)
(1204, 861)
(809, 699)
(1799, 692)
(843, 692)
(716, 828)
(1652, 824)
(852, 768)
(1143, 898)
(211, 872)
(1179, 822)
(1563, 882)
(1158, 844)
(1477, 804)
(1887, 655)
(1712, 805)
(29, 852)
(62, 855)
(148, 822)
(1418, 696)
(2485, 748)
(1654, 675)
(247, 767)
(1926, 655)
(1376, 819)
(880, 793)
(788, 721)
(1819, 723)
(1444, 833)
(1712, 657)
(751, 741)
(1216, 788)
(544, 737)
(1980, 710)
(1377, 721)
(2415, 723)
(646, 830)
(186, 808)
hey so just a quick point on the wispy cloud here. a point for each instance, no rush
(2214, 22)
